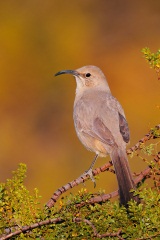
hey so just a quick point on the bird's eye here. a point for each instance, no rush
(88, 74)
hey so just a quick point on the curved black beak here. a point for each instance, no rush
(73, 72)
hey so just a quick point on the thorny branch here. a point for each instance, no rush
(32, 226)
(96, 171)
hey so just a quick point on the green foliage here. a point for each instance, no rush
(155, 132)
(152, 58)
(18, 208)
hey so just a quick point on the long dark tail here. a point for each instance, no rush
(124, 177)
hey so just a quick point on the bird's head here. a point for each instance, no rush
(87, 77)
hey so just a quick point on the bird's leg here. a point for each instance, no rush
(89, 171)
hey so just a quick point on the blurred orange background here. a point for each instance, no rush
(39, 38)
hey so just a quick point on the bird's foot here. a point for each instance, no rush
(90, 174)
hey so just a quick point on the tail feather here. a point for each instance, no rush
(124, 176)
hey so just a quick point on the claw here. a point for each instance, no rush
(89, 171)
(90, 174)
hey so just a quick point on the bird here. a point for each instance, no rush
(101, 125)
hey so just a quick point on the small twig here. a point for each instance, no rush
(87, 222)
(95, 232)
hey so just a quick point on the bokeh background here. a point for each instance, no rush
(39, 38)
